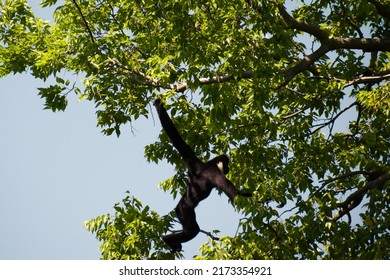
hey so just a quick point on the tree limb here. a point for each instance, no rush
(333, 119)
(143, 79)
(377, 78)
(305, 63)
(368, 80)
(327, 43)
(293, 23)
(218, 79)
(364, 44)
(84, 21)
(356, 198)
(353, 173)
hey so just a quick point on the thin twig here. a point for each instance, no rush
(353, 173)
(332, 120)
(368, 79)
(209, 235)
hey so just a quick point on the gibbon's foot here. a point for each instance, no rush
(175, 247)
(157, 103)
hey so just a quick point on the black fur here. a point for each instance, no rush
(203, 177)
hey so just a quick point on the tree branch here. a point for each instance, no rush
(356, 198)
(364, 44)
(84, 21)
(327, 43)
(343, 176)
(215, 80)
(379, 77)
(293, 23)
(137, 75)
(143, 79)
(368, 80)
(305, 64)
(348, 19)
(332, 120)
(353, 173)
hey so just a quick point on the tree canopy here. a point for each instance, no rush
(297, 94)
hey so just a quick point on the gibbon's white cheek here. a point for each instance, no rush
(220, 166)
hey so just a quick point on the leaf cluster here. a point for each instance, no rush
(133, 232)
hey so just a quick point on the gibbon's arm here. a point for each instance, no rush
(223, 183)
(177, 141)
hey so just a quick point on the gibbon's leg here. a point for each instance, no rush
(187, 217)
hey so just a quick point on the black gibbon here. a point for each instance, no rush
(202, 178)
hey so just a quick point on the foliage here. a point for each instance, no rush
(296, 93)
(134, 232)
